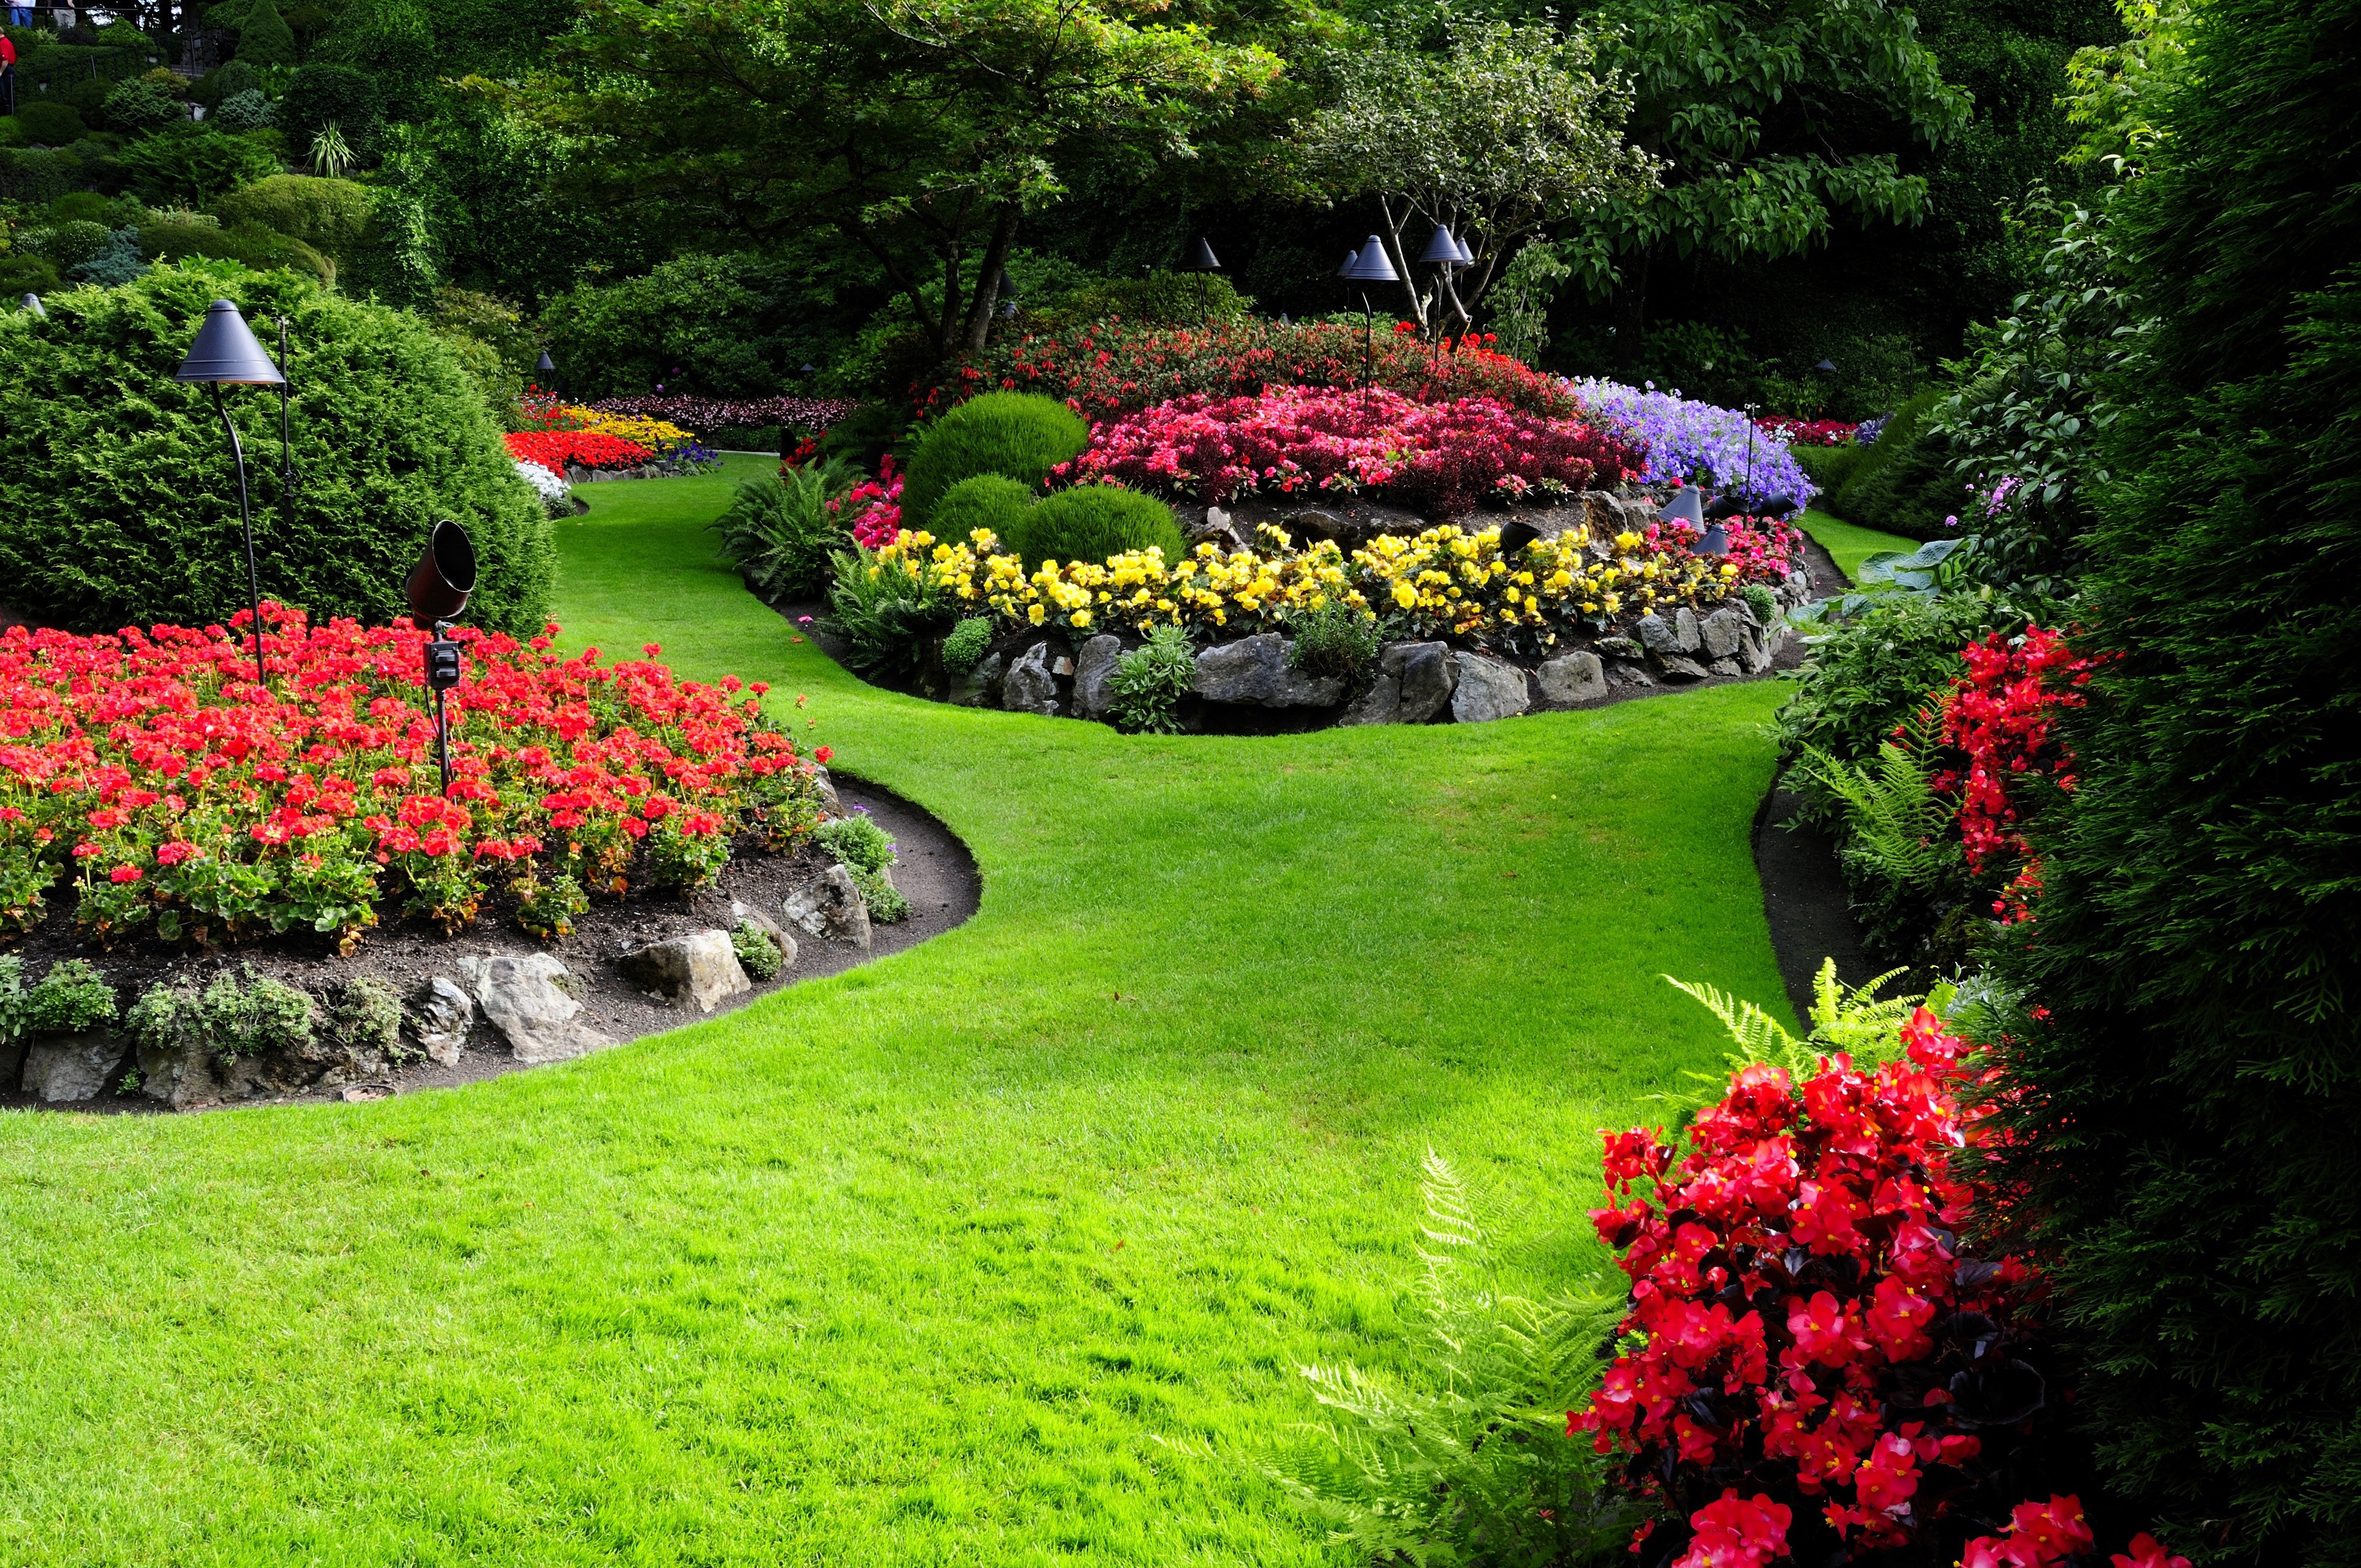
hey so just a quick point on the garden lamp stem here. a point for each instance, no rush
(246, 521)
(441, 735)
(1749, 454)
(286, 445)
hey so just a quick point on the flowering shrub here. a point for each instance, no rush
(1808, 431)
(1113, 367)
(178, 794)
(876, 507)
(709, 414)
(1446, 456)
(2000, 716)
(1682, 440)
(546, 483)
(1811, 1365)
(559, 449)
(1447, 581)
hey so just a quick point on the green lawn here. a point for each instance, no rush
(1850, 544)
(917, 1263)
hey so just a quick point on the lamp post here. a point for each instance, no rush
(226, 354)
(33, 303)
(1369, 265)
(1202, 262)
(1446, 252)
(438, 589)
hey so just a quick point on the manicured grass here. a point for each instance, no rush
(1850, 545)
(917, 1263)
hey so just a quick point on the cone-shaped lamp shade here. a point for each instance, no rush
(544, 365)
(1441, 247)
(1727, 506)
(1715, 542)
(1201, 258)
(1466, 256)
(1777, 506)
(1825, 365)
(1515, 535)
(1352, 259)
(225, 353)
(1372, 265)
(1688, 504)
(443, 577)
(33, 303)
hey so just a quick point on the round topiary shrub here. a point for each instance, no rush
(249, 245)
(329, 215)
(1092, 523)
(982, 500)
(1018, 436)
(122, 500)
(51, 125)
(69, 243)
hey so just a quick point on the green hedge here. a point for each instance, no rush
(1018, 436)
(981, 500)
(122, 503)
(1903, 482)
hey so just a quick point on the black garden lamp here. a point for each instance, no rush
(1446, 253)
(227, 355)
(1826, 366)
(438, 589)
(1201, 260)
(1515, 536)
(32, 303)
(1008, 292)
(1369, 265)
(1687, 506)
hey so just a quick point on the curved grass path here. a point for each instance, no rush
(912, 1265)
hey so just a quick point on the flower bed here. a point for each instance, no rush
(1683, 441)
(1444, 457)
(1112, 368)
(812, 414)
(181, 798)
(558, 450)
(1447, 581)
(1808, 431)
(656, 440)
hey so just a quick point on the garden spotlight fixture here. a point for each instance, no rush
(1369, 265)
(1008, 292)
(1446, 252)
(438, 589)
(1715, 541)
(545, 365)
(33, 303)
(227, 355)
(1201, 260)
(1516, 535)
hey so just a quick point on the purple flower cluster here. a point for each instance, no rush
(723, 414)
(1695, 441)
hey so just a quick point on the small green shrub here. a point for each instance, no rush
(264, 250)
(71, 998)
(966, 643)
(188, 165)
(780, 533)
(548, 909)
(1333, 638)
(1763, 602)
(51, 125)
(136, 105)
(68, 245)
(22, 275)
(1826, 466)
(757, 954)
(884, 616)
(1151, 680)
(227, 1020)
(980, 501)
(224, 83)
(857, 841)
(264, 37)
(365, 1018)
(248, 111)
(1092, 523)
(118, 264)
(887, 904)
(1018, 436)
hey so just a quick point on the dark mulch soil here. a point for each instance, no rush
(936, 873)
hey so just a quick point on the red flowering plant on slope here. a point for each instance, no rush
(183, 798)
(2002, 718)
(1797, 431)
(1309, 441)
(876, 506)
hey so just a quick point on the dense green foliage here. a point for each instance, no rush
(1904, 482)
(187, 165)
(1092, 523)
(2197, 1079)
(1151, 680)
(329, 215)
(781, 532)
(1018, 436)
(981, 500)
(325, 93)
(122, 500)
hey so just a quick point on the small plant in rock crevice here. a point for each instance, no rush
(1333, 639)
(887, 904)
(1149, 682)
(857, 841)
(757, 954)
(364, 1017)
(227, 1020)
(72, 997)
(964, 647)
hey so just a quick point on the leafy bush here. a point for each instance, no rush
(1151, 680)
(264, 38)
(248, 111)
(857, 841)
(249, 245)
(123, 511)
(1763, 602)
(1900, 850)
(1332, 638)
(21, 274)
(1473, 1464)
(363, 1017)
(1015, 435)
(226, 1020)
(1160, 299)
(701, 322)
(391, 41)
(886, 906)
(50, 124)
(68, 245)
(781, 531)
(1093, 524)
(757, 954)
(188, 165)
(136, 106)
(992, 501)
(494, 345)
(1904, 483)
(118, 264)
(966, 643)
(71, 998)
(323, 93)
(224, 83)
(885, 608)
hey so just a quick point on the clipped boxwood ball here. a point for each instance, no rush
(1092, 523)
(121, 498)
(1018, 436)
(984, 500)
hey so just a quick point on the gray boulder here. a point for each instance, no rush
(1571, 679)
(1424, 677)
(440, 1020)
(701, 967)
(1094, 676)
(180, 1077)
(1685, 629)
(1221, 529)
(525, 1002)
(1621, 648)
(1727, 667)
(1725, 632)
(1256, 669)
(59, 1067)
(827, 786)
(1488, 689)
(980, 687)
(1382, 704)
(1030, 688)
(1678, 668)
(831, 907)
(1657, 636)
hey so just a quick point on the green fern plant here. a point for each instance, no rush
(1475, 1467)
(1898, 827)
(1852, 1019)
(780, 533)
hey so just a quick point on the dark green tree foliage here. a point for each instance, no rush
(325, 94)
(2188, 1143)
(266, 39)
(121, 502)
(185, 165)
(695, 323)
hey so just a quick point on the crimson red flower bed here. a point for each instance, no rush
(176, 796)
(556, 450)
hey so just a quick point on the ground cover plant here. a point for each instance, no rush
(1684, 441)
(838, 1277)
(183, 798)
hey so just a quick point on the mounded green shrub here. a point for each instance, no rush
(249, 245)
(67, 244)
(1092, 523)
(187, 165)
(1903, 482)
(224, 83)
(122, 501)
(265, 39)
(247, 111)
(136, 105)
(51, 125)
(1018, 436)
(981, 500)
(1828, 467)
(329, 215)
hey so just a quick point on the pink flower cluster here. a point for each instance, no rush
(877, 506)
(1441, 456)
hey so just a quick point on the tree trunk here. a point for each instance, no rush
(987, 281)
(1393, 241)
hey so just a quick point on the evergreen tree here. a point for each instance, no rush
(265, 39)
(2188, 1139)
